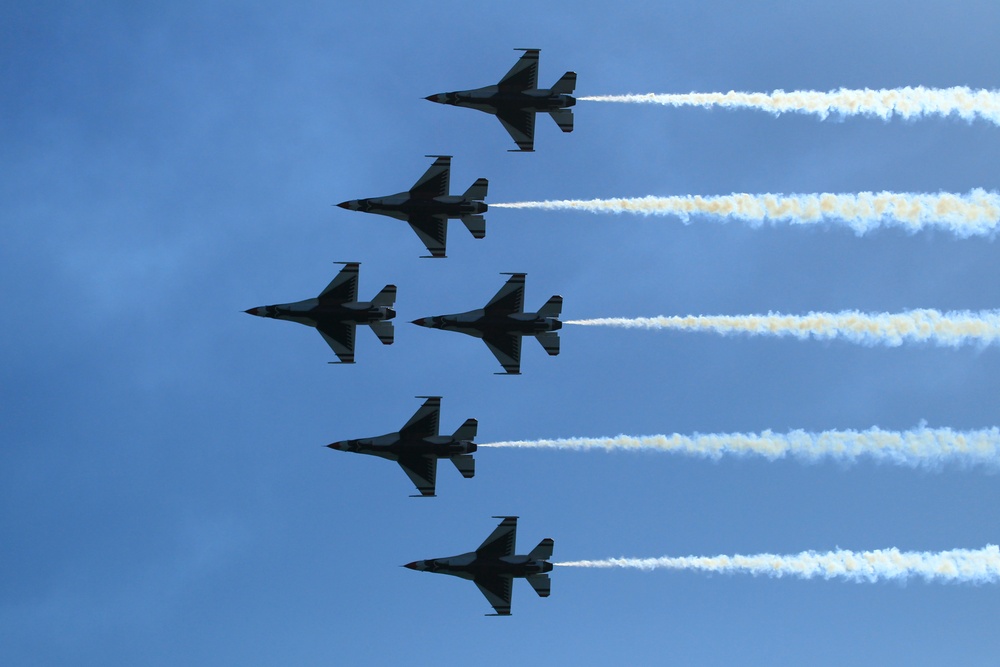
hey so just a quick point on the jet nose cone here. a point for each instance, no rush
(253, 311)
(435, 98)
(411, 566)
(339, 445)
(422, 322)
(351, 205)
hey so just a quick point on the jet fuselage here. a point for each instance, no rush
(470, 565)
(480, 323)
(393, 445)
(492, 99)
(313, 311)
(404, 205)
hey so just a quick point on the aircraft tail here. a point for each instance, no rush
(476, 225)
(541, 583)
(467, 431)
(466, 465)
(552, 307)
(563, 118)
(477, 191)
(386, 297)
(384, 331)
(565, 85)
(550, 341)
(543, 551)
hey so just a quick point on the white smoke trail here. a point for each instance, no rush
(958, 565)
(915, 326)
(974, 214)
(922, 446)
(908, 103)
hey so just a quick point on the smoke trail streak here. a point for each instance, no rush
(921, 447)
(958, 565)
(950, 329)
(908, 103)
(974, 214)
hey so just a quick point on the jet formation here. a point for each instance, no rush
(427, 206)
(336, 312)
(493, 566)
(501, 323)
(517, 98)
(417, 446)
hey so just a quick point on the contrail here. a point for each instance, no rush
(908, 103)
(920, 447)
(974, 214)
(958, 565)
(950, 329)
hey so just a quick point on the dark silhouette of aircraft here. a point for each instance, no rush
(417, 446)
(336, 312)
(501, 324)
(493, 566)
(517, 98)
(427, 206)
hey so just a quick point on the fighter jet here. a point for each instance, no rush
(427, 206)
(501, 323)
(493, 566)
(336, 312)
(517, 98)
(417, 446)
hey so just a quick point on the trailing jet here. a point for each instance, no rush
(427, 206)
(501, 323)
(493, 566)
(417, 446)
(336, 312)
(517, 98)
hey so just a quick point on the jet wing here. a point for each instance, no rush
(500, 543)
(435, 181)
(523, 75)
(520, 125)
(497, 590)
(507, 349)
(340, 337)
(433, 232)
(424, 422)
(344, 287)
(422, 471)
(510, 298)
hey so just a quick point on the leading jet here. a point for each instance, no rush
(501, 324)
(427, 206)
(417, 446)
(336, 312)
(517, 98)
(493, 566)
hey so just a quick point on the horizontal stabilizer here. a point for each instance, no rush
(466, 465)
(543, 551)
(552, 307)
(467, 431)
(386, 297)
(384, 331)
(477, 191)
(476, 225)
(541, 583)
(566, 84)
(563, 118)
(550, 341)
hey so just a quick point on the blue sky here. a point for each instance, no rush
(164, 493)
